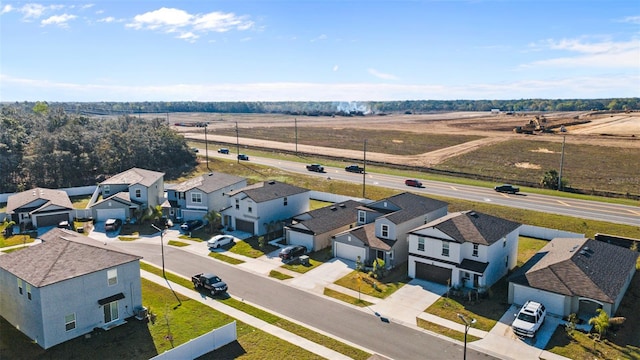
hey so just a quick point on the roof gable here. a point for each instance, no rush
(134, 176)
(61, 256)
(473, 227)
(47, 196)
(269, 190)
(328, 218)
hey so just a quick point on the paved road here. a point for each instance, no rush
(615, 213)
(395, 341)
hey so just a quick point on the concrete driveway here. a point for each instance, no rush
(409, 301)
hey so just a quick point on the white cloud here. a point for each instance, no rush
(108, 19)
(320, 38)
(335, 67)
(6, 9)
(59, 20)
(381, 75)
(631, 19)
(32, 11)
(170, 20)
(603, 54)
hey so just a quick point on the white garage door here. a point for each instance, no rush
(104, 214)
(349, 252)
(553, 302)
(296, 238)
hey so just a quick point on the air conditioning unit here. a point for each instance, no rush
(140, 313)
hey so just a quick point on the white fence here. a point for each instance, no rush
(546, 233)
(74, 191)
(334, 198)
(203, 344)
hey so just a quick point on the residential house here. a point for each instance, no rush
(382, 227)
(260, 208)
(127, 194)
(40, 207)
(66, 286)
(575, 275)
(194, 198)
(314, 229)
(464, 249)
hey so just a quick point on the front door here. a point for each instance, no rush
(110, 312)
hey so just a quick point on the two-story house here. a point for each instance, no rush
(255, 208)
(40, 207)
(464, 249)
(382, 227)
(124, 193)
(194, 198)
(314, 229)
(66, 286)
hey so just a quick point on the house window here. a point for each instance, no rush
(138, 193)
(250, 209)
(28, 291)
(237, 204)
(385, 231)
(420, 244)
(504, 242)
(181, 196)
(20, 286)
(112, 276)
(196, 198)
(285, 201)
(506, 261)
(475, 250)
(106, 189)
(110, 312)
(361, 216)
(70, 322)
(445, 249)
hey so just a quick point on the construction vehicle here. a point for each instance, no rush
(535, 124)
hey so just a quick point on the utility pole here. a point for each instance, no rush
(364, 169)
(237, 144)
(296, 127)
(206, 146)
(564, 137)
(162, 247)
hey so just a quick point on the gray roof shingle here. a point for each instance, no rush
(269, 190)
(62, 255)
(208, 183)
(579, 267)
(408, 206)
(320, 221)
(134, 176)
(55, 197)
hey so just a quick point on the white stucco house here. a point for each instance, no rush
(194, 198)
(464, 249)
(257, 208)
(124, 193)
(575, 275)
(382, 227)
(40, 207)
(66, 286)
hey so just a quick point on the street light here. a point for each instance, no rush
(162, 247)
(467, 325)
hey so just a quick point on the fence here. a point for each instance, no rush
(334, 198)
(74, 191)
(203, 344)
(546, 233)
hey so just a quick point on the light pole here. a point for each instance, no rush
(564, 138)
(162, 247)
(467, 325)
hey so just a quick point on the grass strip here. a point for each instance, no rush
(346, 298)
(225, 258)
(443, 330)
(278, 275)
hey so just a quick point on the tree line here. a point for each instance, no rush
(328, 108)
(48, 147)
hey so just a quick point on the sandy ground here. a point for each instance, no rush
(599, 128)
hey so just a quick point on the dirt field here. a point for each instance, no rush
(596, 128)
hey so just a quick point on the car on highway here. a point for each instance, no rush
(223, 151)
(191, 225)
(529, 319)
(112, 224)
(354, 169)
(413, 182)
(243, 157)
(507, 188)
(219, 240)
(315, 167)
(291, 252)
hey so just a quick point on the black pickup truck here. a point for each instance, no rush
(354, 169)
(210, 282)
(315, 167)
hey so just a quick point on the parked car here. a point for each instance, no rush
(507, 188)
(243, 157)
(354, 169)
(219, 240)
(223, 151)
(413, 182)
(291, 252)
(529, 319)
(112, 224)
(191, 225)
(210, 282)
(64, 225)
(315, 167)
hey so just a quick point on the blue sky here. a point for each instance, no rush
(324, 50)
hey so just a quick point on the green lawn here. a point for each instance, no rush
(443, 330)
(251, 248)
(315, 259)
(346, 298)
(365, 284)
(177, 243)
(225, 258)
(278, 275)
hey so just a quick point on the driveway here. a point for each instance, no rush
(409, 301)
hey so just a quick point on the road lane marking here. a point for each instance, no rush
(563, 203)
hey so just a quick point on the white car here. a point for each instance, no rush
(219, 240)
(529, 319)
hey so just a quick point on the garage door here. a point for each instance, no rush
(433, 273)
(51, 220)
(349, 252)
(104, 214)
(244, 226)
(553, 302)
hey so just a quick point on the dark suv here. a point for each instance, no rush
(354, 169)
(506, 188)
(315, 167)
(291, 252)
